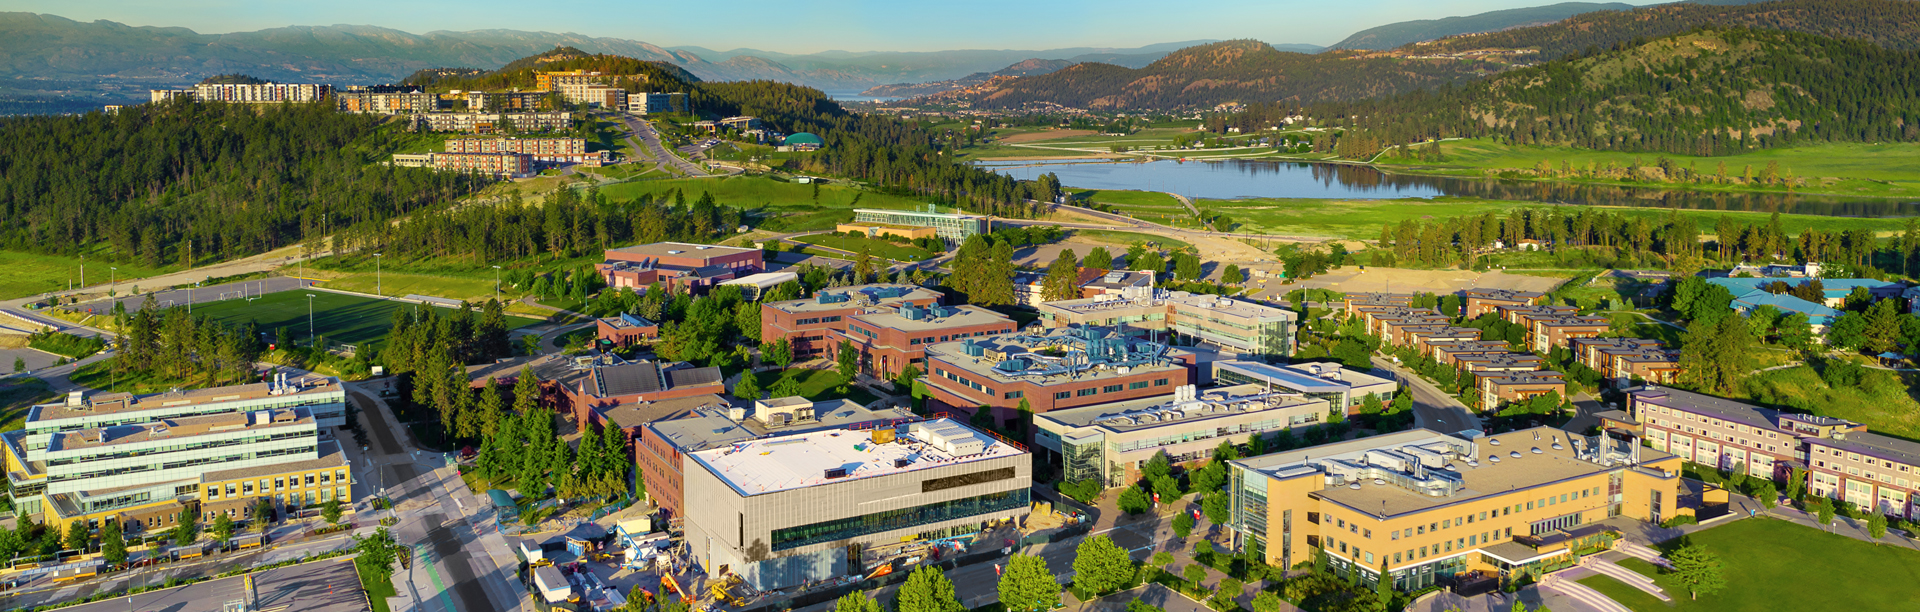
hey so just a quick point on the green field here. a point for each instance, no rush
(1362, 219)
(24, 274)
(1874, 169)
(787, 206)
(1778, 565)
(816, 385)
(1126, 239)
(450, 287)
(346, 319)
(16, 396)
(873, 246)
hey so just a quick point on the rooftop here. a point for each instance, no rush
(1318, 377)
(178, 428)
(1187, 405)
(1757, 298)
(330, 457)
(908, 317)
(1143, 297)
(1114, 279)
(680, 249)
(1708, 405)
(635, 414)
(1503, 294)
(1473, 346)
(1875, 444)
(119, 403)
(859, 296)
(625, 321)
(765, 279)
(1416, 470)
(711, 426)
(1543, 377)
(630, 378)
(1079, 352)
(913, 213)
(1831, 287)
(784, 463)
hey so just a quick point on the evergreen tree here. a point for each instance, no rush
(1061, 276)
(113, 543)
(1698, 569)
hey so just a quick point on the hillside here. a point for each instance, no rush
(1396, 34)
(1888, 23)
(1233, 71)
(661, 76)
(1029, 67)
(1706, 92)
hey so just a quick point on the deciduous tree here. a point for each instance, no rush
(1026, 585)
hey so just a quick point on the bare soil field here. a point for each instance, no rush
(1048, 135)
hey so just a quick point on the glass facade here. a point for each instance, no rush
(905, 518)
(1083, 460)
(951, 227)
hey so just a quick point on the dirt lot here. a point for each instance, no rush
(1351, 279)
(1047, 135)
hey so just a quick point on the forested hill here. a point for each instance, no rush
(236, 179)
(1230, 71)
(1703, 93)
(1396, 34)
(1889, 23)
(661, 76)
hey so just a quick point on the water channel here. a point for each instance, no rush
(1237, 179)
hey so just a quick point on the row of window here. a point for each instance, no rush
(279, 484)
(816, 321)
(1132, 386)
(1468, 519)
(174, 448)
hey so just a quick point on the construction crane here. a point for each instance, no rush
(669, 585)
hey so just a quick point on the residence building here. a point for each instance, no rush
(261, 93)
(492, 122)
(1499, 387)
(1451, 353)
(1623, 360)
(649, 103)
(1483, 301)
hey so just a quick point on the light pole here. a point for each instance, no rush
(113, 279)
(496, 283)
(190, 297)
(309, 318)
(83, 271)
(376, 275)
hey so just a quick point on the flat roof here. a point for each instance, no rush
(1315, 377)
(1543, 377)
(635, 414)
(1161, 411)
(120, 403)
(708, 426)
(178, 428)
(763, 279)
(862, 296)
(1146, 357)
(330, 457)
(1708, 405)
(785, 463)
(1503, 294)
(680, 249)
(963, 316)
(1179, 300)
(916, 213)
(1875, 444)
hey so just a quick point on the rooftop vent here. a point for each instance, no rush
(701, 248)
(675, 252)
(1355, 486)
(1493, 458)
(837, 473)
(902, 462)
(1515, 454)
(1493, 441)
(1536, 450)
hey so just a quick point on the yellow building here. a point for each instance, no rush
(888, 229)
(1431, 508)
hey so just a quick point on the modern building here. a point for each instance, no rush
(803, 141)
(691, 266)
(1428, 507)
(137, 461)
(1501, 387)
(811, 325)
(1546, 333)
(555, 80)
(1115, 282)
(1502, 362)
(488, 123)
(740, 123)
(1339, 387)
(505, 101)
(1351, 303)
(545, 152)
(954, 227)
(875, 230)
(261, 93)
(713, 422)
(650, 103)
(1238, 325)
(1835, 290)
(378, 102)
(890, 340)
(1450, 354)
(1030, 288)
(1110, 442)
(755, 285)
(785, 510)
(497, 165)
(1624, 360)
(626, 329)
(1483, 301)
(1819, 316)
(1051, 370)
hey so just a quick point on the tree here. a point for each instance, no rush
(1383, 588)
(853, 602)
(1098, 259)
(1266, 601)
(1717, 354)
(1876, 523)
(1231, 275)
(1795, 331)
(187, 528)
(113, 543)
(1768, 493)
(787, 386)
(223, 528)
(748, 388)
(927, 590)
(1849, 331)
(778, 353)
(1061, 276)
(331, 511)
(262, 508)
(1183, 525)
(1218, 506)
(78, 536)
(1823, 509)
(1135, 500)
(1100, 566)
(848, 361)
(20, 365)
(1882, 333)
(1026, 585)
(908, 375)
(1698, 569)
(1194, 573)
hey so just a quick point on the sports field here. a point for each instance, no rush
(347, 319)
(1769, 563)
(24, 274)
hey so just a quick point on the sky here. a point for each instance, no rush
(811, 26)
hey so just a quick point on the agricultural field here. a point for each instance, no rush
(1879, 170)
(345, 319)
(1766, 562)
(1362, 219)
(1144, 205)
(24, 274)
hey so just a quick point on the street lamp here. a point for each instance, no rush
(113, 279)
(496, 283)
(376, 275)
(309, 318)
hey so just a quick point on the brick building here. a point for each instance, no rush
(592, 393)
(1058, 368)
(626, 329)
(891, 340)
(811, 325)
(689, 266)
(1483, 301)
(1623, 360)
(1450, 354)
(1501, 387)
(488, 123)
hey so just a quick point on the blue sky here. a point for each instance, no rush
(810, 26)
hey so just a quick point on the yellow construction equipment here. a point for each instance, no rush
(669, 585)
(721, 588)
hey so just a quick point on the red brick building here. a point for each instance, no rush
(593, 392)
(1498, 387)
(626, 329)
(1450, 354)
(1061, 368)
(811, 325)
(1483, 301)
(1625, 359)
(678, 264)
(889, 341)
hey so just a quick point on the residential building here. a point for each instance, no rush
(1029, 288)
(497, 165)
(812, 325)
(1238, 325)
(595, 94)
(626, 329)
(261, 93)
(754, 285)
(1428, 507)
(1483, 301)
(544, 152)
(1819, 316)
(1350, 304)
(890, 340)
(1451, 353)
(712, 422)
(1048, 370)
(505, 101)
(954, 228)
(555, 80)
(367, 100)
(1327, 381)
(1834, 290)
(608, 385)
(1110, 442)
(1502, 362)
(138, 461)
(1502, 387)
(488, 123)
(1547, 333)
(1624, 360)
(158, 96)
(784, 511)
(691, 266)
(1377, 319)
(649, 103)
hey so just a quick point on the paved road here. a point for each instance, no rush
(321, 586)
(1432, 409)
(651, 139)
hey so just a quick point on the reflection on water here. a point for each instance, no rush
(1275, 179)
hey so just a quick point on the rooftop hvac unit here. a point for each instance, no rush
(675, 252)
(902, 462)
(803, 414)
(838, 472)
(884, 435)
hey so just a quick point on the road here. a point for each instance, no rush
(644, 131)
(1432, 409)
(321, 586)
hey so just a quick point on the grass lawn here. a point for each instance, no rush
(1362, 219)
(24, 274)
(100, 375)
(1769, 563)
(874, 246)
(451, 287)
(1125, 239)
(19, 395)
(816, 385)
(1896, 163)
(346, 319)
(377, 590)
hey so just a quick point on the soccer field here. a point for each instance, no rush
(346, 319)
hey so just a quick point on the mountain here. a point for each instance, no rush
(1029, 67)
(843, 70)
(1888, 23)
(1396, 34)
(1703, 92)
(1244, 71)
(520, 73)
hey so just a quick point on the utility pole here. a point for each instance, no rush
(496, 283)
(309, 318)
(376, 275)
(113, 279)
(83, 271)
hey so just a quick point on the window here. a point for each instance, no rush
(1137, 385)
(1112, 389)
(1063, 395)
(1393, 535)
(1160, 383)
(1368, 534)
(1422, 530)
(1016, 394)
(1341, 523)
(1086, 392)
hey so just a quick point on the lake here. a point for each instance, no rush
(1237, 179)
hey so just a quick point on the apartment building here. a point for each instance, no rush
(261, 93)
(489, 123)
(1451, 353)
(648, 103)
(889, 340)
(1350, 305)
(595, 94)
(1500, 387)
(1502, 362)
(1428, 507)
(1623, 360)
(1546, 333)
(545, 152)
(1424, 338)
(1237, 325)
(1378, 319)
(690, 266)
(386, 102)
(504, 101)
(786, 510)
(812, 325)
(1483, 301)
(1111, 442)
(497, 165)
(1051, 370)
(1341, 388)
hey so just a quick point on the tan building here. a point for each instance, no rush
(1483, 301)
(1545, 333)
(1430, 507)
(1624, 360)
(261, 93)
(1237, 325)
(1110, 442)
(1353, 301)
(1498, 387)
(1450, 354)
(1502, 362)
(489, 123)
(387, 102)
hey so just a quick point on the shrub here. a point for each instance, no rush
(1161, 559)
(1684, 519)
